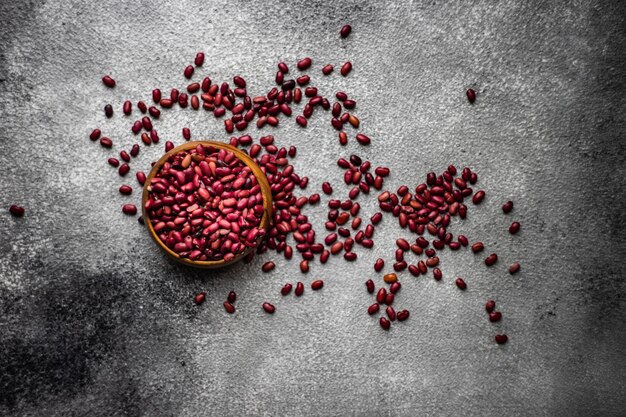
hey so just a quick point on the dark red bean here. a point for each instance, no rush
(17, 211)
(389, 298)
(283, 67)
(490, 305)
(134, 151)
(188, 73)
(304, 64)
(299, 289)
(268, 266)
(232, 297)
(348, 104)
(129, 209)
(395, 287)
(478, 197)
(141, 177)
(403, 244)
(345, 31)
(317, 285)
(369, 284)
(514, 228)
(123, 169)
(373, 309)
(491, 259)
(230, 309)
(108, 111)
(95, 134)
(169, 146)
(381, 295)
(471, 95)
(327, 69)
(460, 283)
(127, 107)
(126, 189)
(156, 95)
(186, 133)
(199, 59)
(362, 139)
(199, 298)
(113, 162)
(346, 68)
(501, 339)
(437, 274)
(507, 207)
(286, 289)
(350, 256)
(514, 268)
(403, 315)
(384, 323)
(301, 120)
(304, 266)
(495, 316)
(108, 81)
(478, 247)
(414, 270)
(269, 308)
(391, 313)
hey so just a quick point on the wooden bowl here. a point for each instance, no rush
(256, 170)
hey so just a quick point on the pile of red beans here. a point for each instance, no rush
(205, 204)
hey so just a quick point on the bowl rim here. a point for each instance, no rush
(246, 159)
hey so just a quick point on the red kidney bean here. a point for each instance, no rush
(381, 295)
(514, 268)
(283, 67)
(286, 289)
(369, 284)
(391, 313)
(414, 270)
(346, 68)
(501, 339)
(232, 297)
(490, 305)
(199, 298)
(95, 134)
(362, 139)
(389, 298)
(199, 60)
(304, 266)
(514, 228)
(384, 323)
(395, 287)
(478, 197)
(471, 95)
(495, 316)
(491, 259)
(379, 265)
(304, 64)
(345, 31)
(269, 308)
(108, 111)
(113, 162)
(478, 247)
(268, 266)
(188, 73)
(317, 285)
(108, 81)
(127, 107)
(129, 209)
(327, 69)
(403, 315)
(299, 289)
(437, 274)
(229, 307)
(507, 207)
(403, 244)
(460, 283)
(126, 189)
(373, 309)
(17, 211)
(141, 177)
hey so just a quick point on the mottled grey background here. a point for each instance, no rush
(95, 321)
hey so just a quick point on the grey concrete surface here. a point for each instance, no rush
(95, 321)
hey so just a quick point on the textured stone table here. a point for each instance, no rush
(95, 321)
